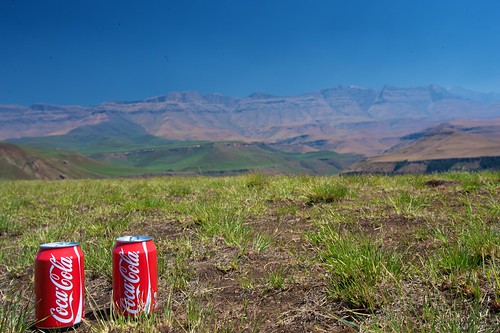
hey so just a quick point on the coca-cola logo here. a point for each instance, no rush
(128, 266)
(61, 276)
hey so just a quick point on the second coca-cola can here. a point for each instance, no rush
(59, 285)
(135, 275)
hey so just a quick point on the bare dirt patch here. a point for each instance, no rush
(441, 183)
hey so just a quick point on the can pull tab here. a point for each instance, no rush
(134, 239)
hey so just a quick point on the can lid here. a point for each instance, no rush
(58, 245)
(134, 239)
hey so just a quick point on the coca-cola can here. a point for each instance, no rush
(135, 275)
(59, 285)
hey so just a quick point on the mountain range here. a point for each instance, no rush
(345, 119)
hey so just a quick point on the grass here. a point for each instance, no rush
(257, 253)
(408, 204)
(6, 227)
(325, 192)
(140, 154)
(15, 315)
(360, 268)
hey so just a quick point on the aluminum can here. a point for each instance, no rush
(135, 275)
(59, 285)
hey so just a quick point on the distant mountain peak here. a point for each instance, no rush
(438, 92)
(190, 97)
(487, 97)
(260, 95)
(176, 96)
(53, 107)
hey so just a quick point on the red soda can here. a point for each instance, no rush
(59, 285)
(135, 275)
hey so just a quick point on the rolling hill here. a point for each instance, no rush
(28, 163)
(114, 134)
(443, 148)
(214, 158)
(224, 158)
(127, 146)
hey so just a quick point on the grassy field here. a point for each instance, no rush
(257, 253)
(210, 157)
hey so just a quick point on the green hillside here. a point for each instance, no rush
(125, 148)
(117, 134)
(223, 157)
(18, 162)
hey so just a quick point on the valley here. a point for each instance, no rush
(321, 132)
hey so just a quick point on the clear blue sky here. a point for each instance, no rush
(87, 52)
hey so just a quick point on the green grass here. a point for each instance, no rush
(123, 148)
(325, 192)
(257, 253)
(188, 158)
(15, 315)
(209, 157)
(360, 267)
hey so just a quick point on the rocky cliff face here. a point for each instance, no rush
(346, 119)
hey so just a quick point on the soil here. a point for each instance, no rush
(232, 286)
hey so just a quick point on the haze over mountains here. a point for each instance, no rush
(344, 119)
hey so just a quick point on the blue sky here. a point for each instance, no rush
(87, 52)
